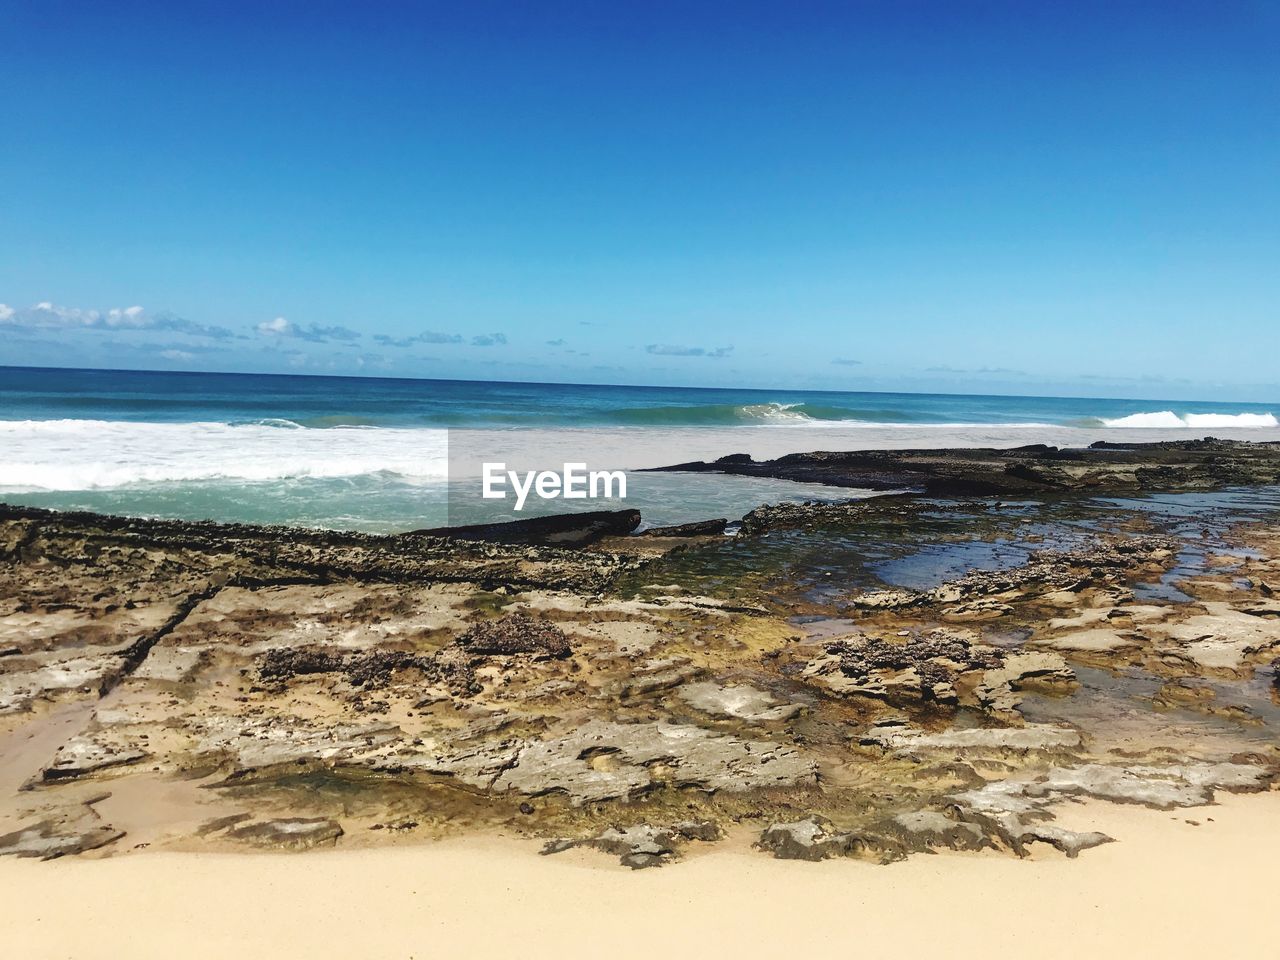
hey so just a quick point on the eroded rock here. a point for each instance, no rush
(88, 753)
(1033, 737)
(262, 742)
(642, 845)
(813, 838)
(49, 839)
(288, 833)
(516, 633)
(88, 674)
(738, 701)
(603, 760)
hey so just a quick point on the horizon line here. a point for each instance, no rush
(641, 386)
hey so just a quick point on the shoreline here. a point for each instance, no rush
(1165, 887)
(388, 481)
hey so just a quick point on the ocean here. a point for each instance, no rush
(375, 454)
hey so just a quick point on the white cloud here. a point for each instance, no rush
(429, 336)
(279, 327)
(128, 317)
(314, 333)
(47, 315)
(673, 350)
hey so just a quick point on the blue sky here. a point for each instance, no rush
(979, 197)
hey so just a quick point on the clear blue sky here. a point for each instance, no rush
(1019, 197)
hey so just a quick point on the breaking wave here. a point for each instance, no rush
(69, 455)
(1168, 420)
(101, 454)
(729, 415)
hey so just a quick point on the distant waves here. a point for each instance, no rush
(1168, 420)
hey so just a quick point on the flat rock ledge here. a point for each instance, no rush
(71, 831)
(1011, 814)
(641, 845)
(289, 833)
(605, 760)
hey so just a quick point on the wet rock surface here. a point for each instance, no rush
(290, 833)
(561, 530)
(700, 528)
(1176, 465)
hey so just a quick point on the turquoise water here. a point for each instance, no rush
(376, 454)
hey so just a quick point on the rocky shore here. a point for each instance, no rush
(871, 679)
(1036, 469)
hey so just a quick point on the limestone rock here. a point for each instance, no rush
(889, 599)
(89, 673)
(49, 839)
(289, 833)
(924, 829)
(1163, 787)
(605, 760)
(642, 845)
(256, 742)
(657, 675)
(1095, 641)
(912, 669)
(87, 753)
(999, 688)
(813, 838)
(739, 701)
(1034, 737)
(1223, 638)
(1070, 842)
(1111, 616)
(170, 664)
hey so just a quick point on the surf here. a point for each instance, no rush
(1168, 420)
(69, 455)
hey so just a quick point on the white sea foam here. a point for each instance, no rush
(941, 428)
(794, 415)
(88, 455)
(101, 454)
(1202, 420)
(1168, 420)
(785, 413)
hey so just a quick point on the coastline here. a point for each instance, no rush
(1052, 686)
(376, 455)
(1166, 887)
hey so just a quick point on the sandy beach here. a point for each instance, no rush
(1166, 888)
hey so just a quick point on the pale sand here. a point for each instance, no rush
(1167, 889)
